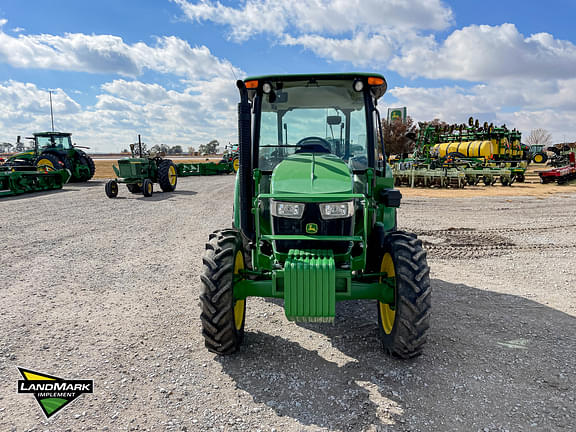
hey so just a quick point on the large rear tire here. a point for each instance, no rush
(403, 325)
(540, 158)
(167, 175)
(222, 316)
(86, 160)
(50, 161)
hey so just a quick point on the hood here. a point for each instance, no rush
(312, 173)
(22, 155)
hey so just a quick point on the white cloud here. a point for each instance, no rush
(524, 105)
(109, 54)
(362, 50)
(278, 17)
(137, 91)
(483, 52)
(26, 101)
(202, 111)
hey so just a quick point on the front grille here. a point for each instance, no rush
(339, 227)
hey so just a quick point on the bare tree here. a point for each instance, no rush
(5, 147)
(210, 148)
(539, 137)
(394, 135)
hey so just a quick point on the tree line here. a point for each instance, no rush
(204, 149)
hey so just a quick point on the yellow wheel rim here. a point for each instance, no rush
(387, 314)
(172, 175)
(538, 158)
(239, 304)
(149, 188)
(236, 164)
(45, 163)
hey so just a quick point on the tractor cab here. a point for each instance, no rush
(314, 115)
(314, 214)
(53, 140)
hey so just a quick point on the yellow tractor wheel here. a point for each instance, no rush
(403, 324)
(167, 175)
(48, 162)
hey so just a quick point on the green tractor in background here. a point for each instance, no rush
(55, 151)
(141, 171)
(537, 154)
(314, 215)
(231, 156)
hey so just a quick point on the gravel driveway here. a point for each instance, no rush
(108, 290)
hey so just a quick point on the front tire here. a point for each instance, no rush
(222, 317)
(147, 188)
(403, 325)
(111, 189)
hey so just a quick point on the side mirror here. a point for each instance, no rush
(333, 120)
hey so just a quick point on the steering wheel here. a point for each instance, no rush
(313, 144)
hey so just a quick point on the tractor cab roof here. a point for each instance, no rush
(52, 134)
(376, 81)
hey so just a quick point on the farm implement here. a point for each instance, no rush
(227, 165)
(314, 215)
(562, 174)
(31, 179)
(205, 169)
(424, 176)
(446, 155)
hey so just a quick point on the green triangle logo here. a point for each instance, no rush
(52, 393)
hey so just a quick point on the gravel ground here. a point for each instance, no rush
(108, 290)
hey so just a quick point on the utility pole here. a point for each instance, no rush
(51, 112)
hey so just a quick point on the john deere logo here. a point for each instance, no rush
(311, 228)
(52, 393)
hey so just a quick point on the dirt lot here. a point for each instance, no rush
(108, 290)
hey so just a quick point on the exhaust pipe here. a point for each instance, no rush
(245, 179)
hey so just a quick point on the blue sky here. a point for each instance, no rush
(166, 68)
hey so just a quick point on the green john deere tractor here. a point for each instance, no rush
(55, 151)
(141, 171)
(314, 215)
(231, 156)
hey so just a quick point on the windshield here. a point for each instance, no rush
(62, 142)
(313, 116)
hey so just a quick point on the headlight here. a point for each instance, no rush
(337, 210)
(287, 209)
